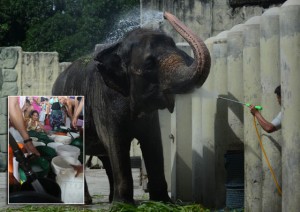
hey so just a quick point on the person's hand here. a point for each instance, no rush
(25, 107)
(74, 122)
(253, 110)
(31, 148)
(78, 169)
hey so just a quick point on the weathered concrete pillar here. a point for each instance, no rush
(270, 79)
(290, 75)
(197, 147)
(165, 126)
(181, 148)
(252, 94)
(204, 191)
(221, 116)
(235, 42)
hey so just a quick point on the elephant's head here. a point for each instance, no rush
(147, 66)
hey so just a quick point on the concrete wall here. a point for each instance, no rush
(39, 71)
(270, 75)
(247, 66)
(290, 75)
(206, 17)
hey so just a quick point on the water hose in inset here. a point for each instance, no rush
(267, 159)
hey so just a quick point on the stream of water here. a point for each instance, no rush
(132, 21)
(37, 186)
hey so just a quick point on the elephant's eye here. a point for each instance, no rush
(150, 69)
(149, 63)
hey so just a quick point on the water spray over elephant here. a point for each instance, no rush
(124, 85)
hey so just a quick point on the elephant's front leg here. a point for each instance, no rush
(118, 151)
(108, 170)
(149, 136)
(116, 142)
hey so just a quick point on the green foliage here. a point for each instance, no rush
(151, 206)
(146, 206)
(70, 27)
(49, 208)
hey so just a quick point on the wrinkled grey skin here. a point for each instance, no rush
(124, 86)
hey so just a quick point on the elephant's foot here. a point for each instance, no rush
(158, 191)
(88, 199)
(127, 201)
(159, 195)
(111, 196)
(161, 198)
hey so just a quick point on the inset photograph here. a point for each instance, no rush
(46, 149)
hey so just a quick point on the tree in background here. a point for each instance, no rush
(70, 27)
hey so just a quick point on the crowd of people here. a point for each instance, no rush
(49, 113)
(40, 114)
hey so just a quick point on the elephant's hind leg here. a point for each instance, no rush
(107, 167)
(87, 197)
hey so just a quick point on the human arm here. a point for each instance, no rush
(24, 108)
(77, 113)
(76, 104)
(267, 126)
(16, 117)
(78, 169)
(37, 100)
(69, 108)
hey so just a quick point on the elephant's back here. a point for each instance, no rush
(82, 78)
(73, 80)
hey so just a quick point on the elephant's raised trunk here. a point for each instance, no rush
(186, 78)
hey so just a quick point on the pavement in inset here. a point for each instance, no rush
(98, 187)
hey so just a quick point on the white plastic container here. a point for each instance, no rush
(72, 188)
(63, 139)
(34, 139)
(52, 137)
(68, 151)
(38, 143)
(75, 135)
(62, 165)
(54, 145)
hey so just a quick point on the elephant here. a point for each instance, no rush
(125, 84)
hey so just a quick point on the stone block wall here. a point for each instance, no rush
(24, 73)
(9, 67)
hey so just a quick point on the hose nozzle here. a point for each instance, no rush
(257, 107)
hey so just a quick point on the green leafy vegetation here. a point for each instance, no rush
(48, 208)
(145, 206)
(150, 206)
(70, 27)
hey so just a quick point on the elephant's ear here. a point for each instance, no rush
(111, 68)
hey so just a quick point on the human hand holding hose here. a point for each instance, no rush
(253, 110)
(78, 169)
